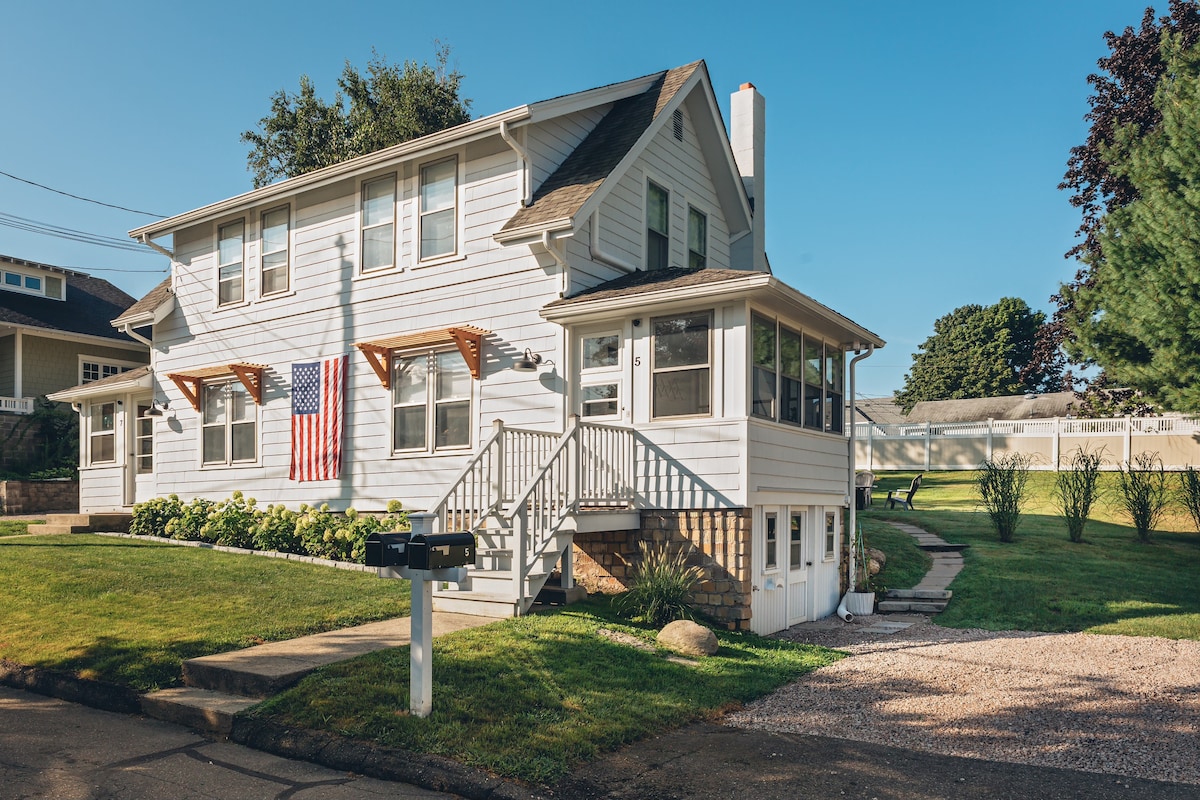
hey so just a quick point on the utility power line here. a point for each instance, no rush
(70, 234)
(77, 197)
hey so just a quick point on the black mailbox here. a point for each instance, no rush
(387, 550)
(439, 550)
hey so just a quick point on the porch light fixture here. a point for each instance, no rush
(529, 362)
(154, 410)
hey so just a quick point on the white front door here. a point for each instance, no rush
(141, 451)
(799, 566)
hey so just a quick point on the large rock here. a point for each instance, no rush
(689, 638)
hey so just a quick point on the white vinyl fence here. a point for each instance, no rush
(1050, 443)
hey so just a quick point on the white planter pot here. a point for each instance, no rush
(860, 604)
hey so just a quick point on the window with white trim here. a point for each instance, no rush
(834, 381)
(600, 373)
(697, 239)
(765, 347)
(831, 531)
(47, 286)
(274, 270)
(143, 448)
(102, 433)
(795, 378)
(91, 368)
(681, 368)
(658, 226)
(379, 224)
(229, 424)
(231, 239)
(814, 360)
(439, 208)
(431, 401)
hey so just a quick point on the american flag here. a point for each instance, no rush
(318, 398)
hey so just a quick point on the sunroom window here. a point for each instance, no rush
(765, 351)
(682, 365)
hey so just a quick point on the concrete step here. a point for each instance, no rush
(483, 604)
(918, 594)
(554, 595)
(909, 606)
(942, 547)
(200, 709)
(106, 522)
(50, 530)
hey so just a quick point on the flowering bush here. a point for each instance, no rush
(239, 522)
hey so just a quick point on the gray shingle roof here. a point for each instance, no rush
(90, 304)
(566, 190)
(644, 281)
(153, 299)
(976, 409)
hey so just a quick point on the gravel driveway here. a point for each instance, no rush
(1113, 704)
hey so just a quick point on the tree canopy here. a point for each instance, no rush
(1138, 315)
(979, 351)
(389, 104)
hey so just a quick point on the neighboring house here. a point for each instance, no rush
(55, 332)
(561, 329)
(880, 410)
(979, 409)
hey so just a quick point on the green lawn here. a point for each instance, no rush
(531, 697)
(12, 527)
(131, 612)
(1109, 583)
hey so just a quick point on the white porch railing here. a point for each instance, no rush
(16, 405)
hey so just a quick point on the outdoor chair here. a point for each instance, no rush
(864, 482)
(904, 498)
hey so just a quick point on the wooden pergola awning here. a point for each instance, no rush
(189, 382)
(467, 338)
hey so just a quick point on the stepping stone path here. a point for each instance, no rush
(931, 595)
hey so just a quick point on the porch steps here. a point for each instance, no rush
(904, 601)
(107, 522)
(218, 687)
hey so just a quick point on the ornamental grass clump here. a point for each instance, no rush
(1189, 493)
(1077, 489)
(662, 586)
(1144, 494)
(1001, 484)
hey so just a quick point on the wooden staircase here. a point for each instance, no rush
(524, 495)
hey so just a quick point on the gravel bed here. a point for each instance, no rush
(1113, 704)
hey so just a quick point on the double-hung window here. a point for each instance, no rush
(765, 369)
(229, 423)
(682, 365)
(230, 249)
(697, 239)
(439, 208)
(431, 401)
(600, 365)
(379, 224)
(102, 433)
(658, 226)
(275, 225)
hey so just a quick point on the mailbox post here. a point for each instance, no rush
(421, 557)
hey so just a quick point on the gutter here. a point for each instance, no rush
(526, 164)
(598, 254)
(560, 257)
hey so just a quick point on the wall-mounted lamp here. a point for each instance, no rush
(154, 410)
(529, 362)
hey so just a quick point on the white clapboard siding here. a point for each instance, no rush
(786, 458)
(692, 464)
(550, 142)
(101, 488)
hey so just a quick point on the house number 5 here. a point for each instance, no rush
(637, 361)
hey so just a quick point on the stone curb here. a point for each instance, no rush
(363, 758)
(64, 686)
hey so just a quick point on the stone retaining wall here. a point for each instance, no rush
(34, 497)
(717, 541)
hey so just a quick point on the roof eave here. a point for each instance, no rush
(87, 390)
(529, 232)
(451, 137)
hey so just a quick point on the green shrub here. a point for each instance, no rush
(1077, 490)
(662, 584)
(152, 517)
(1001, 485)
(1189, 493)
(231, 523)
(276, 530)
(189, 525)
(1144, 494)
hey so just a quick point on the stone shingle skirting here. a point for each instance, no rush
(34, 497)
(718, 542)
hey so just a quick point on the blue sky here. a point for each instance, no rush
(913, 149)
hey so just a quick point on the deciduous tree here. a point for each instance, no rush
(388, 105)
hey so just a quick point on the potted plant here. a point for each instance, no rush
(860, 600)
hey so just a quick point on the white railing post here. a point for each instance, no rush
(497, 487)
(520, 529)
(989, 438)
(1056, 447)
(928, 445)
(1128, 439)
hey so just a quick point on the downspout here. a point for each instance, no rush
(127, 329)
(146, 241)
(852, 494)
(560, 257)
(598, 254)
(523, 155)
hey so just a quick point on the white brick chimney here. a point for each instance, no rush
(748, 134)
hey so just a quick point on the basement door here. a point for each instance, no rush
(799, 567)
(782, 568)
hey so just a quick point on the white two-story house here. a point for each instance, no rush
(560, 331)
